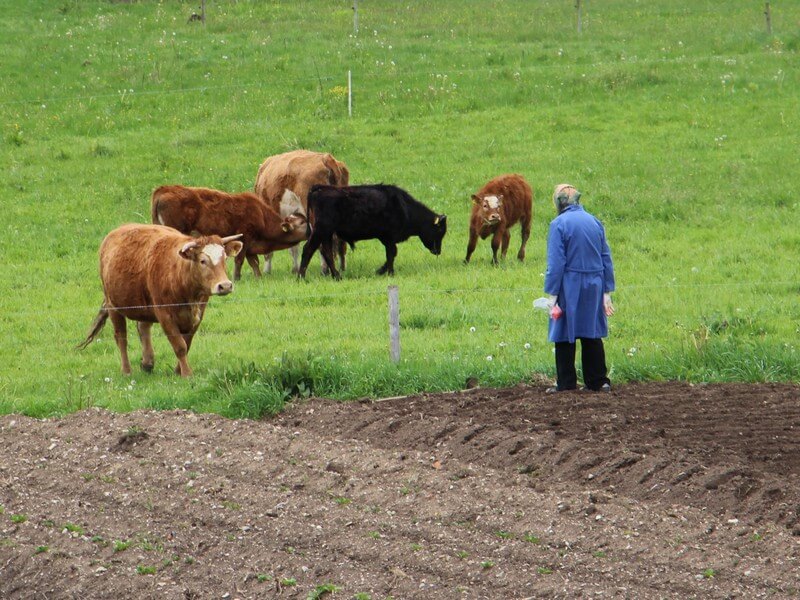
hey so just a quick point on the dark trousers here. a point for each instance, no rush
(593, 362)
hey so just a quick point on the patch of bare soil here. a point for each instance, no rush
(658, 490)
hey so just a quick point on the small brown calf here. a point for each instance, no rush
(501, 203)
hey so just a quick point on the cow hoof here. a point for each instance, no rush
(147, 368)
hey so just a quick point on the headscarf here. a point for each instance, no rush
(565, 195)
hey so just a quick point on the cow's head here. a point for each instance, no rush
(207, 257)
(295, 222)
(296, 226)
(432, 233)
(489, 208)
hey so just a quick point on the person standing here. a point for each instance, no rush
(579, 281)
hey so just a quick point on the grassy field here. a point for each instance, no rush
(677, 120)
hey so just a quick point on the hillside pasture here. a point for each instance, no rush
(677, 121)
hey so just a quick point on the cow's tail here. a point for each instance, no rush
(155, 201)
(97, 325)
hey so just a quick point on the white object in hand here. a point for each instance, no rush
(543, 304)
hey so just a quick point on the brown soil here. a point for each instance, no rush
(658, 490)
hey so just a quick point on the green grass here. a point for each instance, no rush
(676, 120)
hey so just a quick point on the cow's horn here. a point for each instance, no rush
(186, 247)
(436, 221)
(230, 238)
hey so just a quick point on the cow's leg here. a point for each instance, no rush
(176, 339)
(496, 239)
(308, 251)
(391, 252)
(238, 261)
(323, 264)
(187, 339)
(342, 252)
(267, 263)
(506, 241)
(148, 356)
(121, 337)
(252, 260)
(326, 249)
(526, 232)
(295, 252)
(472, 244)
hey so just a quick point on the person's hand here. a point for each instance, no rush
(556, 312)
(608, 307)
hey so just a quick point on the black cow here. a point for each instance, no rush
(365, 212)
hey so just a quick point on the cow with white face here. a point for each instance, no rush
(490, 208)
(501, 203)
(152, 273)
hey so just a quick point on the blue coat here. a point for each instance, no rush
(579, 271)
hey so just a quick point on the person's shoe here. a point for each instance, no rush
(606, 387)
(556, 389)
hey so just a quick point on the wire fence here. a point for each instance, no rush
(316, 296)
(372, 76)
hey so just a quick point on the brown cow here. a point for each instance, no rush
(152, 273)
(298, 170)
(497, 206)
(209, 212)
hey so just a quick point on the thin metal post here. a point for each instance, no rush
(578, 8)
(394, 323)
(355, 16)
(349, 93)
(203, 12)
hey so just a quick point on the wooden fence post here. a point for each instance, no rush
(768, 15)
(394, 323)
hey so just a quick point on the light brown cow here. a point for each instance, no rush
(152, 273)
(498, 205)
(298, 170)
(209, 212)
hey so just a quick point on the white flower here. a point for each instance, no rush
(472, 330)
(107, 379)
(527, 346)
(502, 345)
(490, 358)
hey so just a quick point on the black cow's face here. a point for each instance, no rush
(433, 233)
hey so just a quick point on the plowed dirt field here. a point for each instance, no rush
(657, 490)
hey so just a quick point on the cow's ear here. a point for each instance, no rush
(500, 199)
(233, 248)
(188, 251)
(476, 199)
